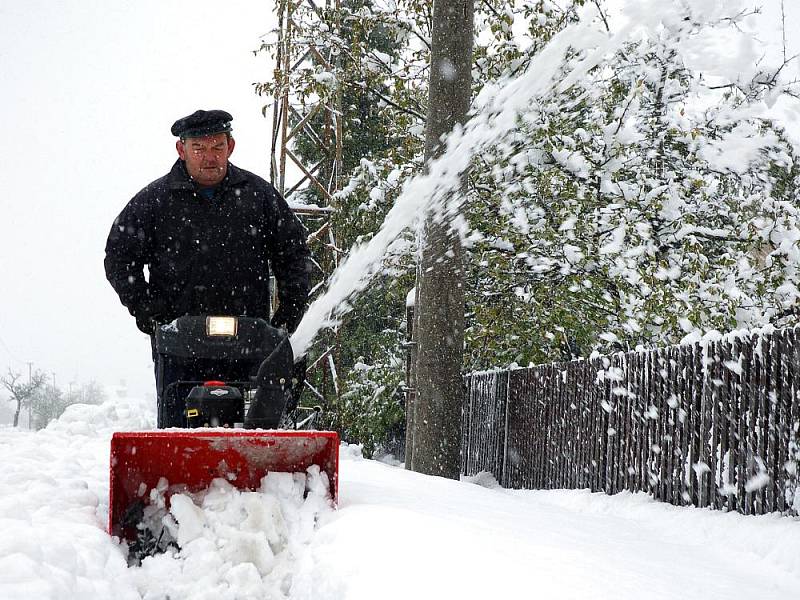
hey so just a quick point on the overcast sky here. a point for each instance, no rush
(90, 89)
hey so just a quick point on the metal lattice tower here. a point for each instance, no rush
(320, 126)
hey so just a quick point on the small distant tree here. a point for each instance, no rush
(22, 394)
(47, 404)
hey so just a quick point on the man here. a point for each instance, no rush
(208, 233)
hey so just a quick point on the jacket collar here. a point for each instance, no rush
(179, 179)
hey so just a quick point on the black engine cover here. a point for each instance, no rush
(214, 406)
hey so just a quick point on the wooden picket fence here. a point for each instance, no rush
(712, 424)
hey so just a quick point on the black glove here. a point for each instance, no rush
(286, 318)
(148, 315)
(146, 324)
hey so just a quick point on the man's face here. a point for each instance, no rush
(206, 157)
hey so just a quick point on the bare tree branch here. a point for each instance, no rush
(783, 28)
(602, 15)
(388, 101)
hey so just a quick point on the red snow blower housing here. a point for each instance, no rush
(234, 384)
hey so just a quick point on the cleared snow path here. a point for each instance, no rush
(466, 541)
(396, 535)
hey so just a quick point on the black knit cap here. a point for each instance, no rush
(202, 122)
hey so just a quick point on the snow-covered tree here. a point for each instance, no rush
(650, 201)
(372, 409)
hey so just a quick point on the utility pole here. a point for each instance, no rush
(30, 404)
(439, 307)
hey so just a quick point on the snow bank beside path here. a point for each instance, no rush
(54, 507)
(772, 538)
(396, 534)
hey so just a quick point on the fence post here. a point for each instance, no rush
(766, 416)
(667, 429)
(683, 427)
(598, 460)
(411, 385)
(505, 476)
(466, 423)
(744, 410)
(793, 421)
(773, 428)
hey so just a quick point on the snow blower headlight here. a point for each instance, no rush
(221, 326)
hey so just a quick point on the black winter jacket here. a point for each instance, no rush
(208, 256)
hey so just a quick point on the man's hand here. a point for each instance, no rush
(288, 316)
(146, 324)
(148, 316)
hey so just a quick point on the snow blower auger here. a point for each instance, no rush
(233, 384)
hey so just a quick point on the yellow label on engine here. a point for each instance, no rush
(192, 412)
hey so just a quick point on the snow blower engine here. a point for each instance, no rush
(208, 368)
(227, 382)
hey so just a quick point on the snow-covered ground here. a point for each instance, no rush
(395, 534)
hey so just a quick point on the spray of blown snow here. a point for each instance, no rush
(495, 113)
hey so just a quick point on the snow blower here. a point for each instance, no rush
(227, 382)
